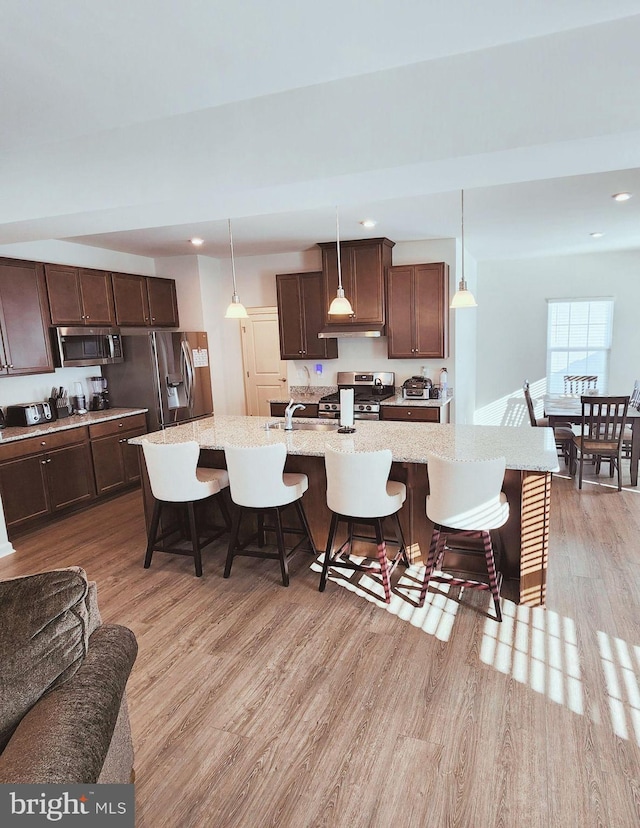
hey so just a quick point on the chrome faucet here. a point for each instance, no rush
(289, 412)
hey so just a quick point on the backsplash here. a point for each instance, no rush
(37, 387)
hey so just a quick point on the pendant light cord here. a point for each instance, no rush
(338, 248)
(233, 265)
(462, 234)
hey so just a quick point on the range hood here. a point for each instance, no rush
(351, 330)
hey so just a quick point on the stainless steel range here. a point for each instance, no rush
(369, 389)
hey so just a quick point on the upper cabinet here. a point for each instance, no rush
(363, 264)
(144, 301)
(79, 296)
(418, 311)
(301, 316)
(24, 323)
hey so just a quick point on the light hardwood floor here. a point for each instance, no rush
(254, 705)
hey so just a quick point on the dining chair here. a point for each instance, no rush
(602, 433)
(562, 431)
(634, 402)
(575, 384)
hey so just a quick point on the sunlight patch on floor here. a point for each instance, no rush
(539, 648)
(621, 677)
(435, 618)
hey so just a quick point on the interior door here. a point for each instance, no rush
(265, 374)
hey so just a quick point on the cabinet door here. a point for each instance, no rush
(367, 275)
(24, 318)
(108, 463)
(65, 297)
(163, 305)
(400, 313)
(431, 304)
(131, 456)
(130, 299)
(313, 313)
(97, 297)
(289, 315)
(69, 476)
(24, 490)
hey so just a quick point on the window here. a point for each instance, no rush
(578, 340)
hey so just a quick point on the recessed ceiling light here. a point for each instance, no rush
(621, 196)
(596, 235)
(196, 242)
(368, 223)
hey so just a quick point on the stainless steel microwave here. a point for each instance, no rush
(86, 346)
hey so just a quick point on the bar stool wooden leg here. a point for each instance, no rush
(233, 541)
(282, 553)
(431, 563)
(382, 559)
(327, 555)
(195, 540)
(491, 567)
(305, 525)
(153, 531)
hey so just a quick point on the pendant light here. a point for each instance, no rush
(235, 310)
(463, 298)
(340, 306)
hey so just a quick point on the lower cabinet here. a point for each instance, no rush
(115, 463)
(414, 413)
(42, 476)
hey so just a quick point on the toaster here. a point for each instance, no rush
(416, 388)
(29, 414)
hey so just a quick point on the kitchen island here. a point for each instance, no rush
(530, 458)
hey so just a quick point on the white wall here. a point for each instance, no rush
(512, 323)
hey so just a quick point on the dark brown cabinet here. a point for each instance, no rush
(301, 317)
(24, 336)
(142, 301)
(115, 463)
(79, 296)
(418, 311)
(310, 409)
(363, 264)
(40, 476)
(416, 414)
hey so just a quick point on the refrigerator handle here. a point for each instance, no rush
(188, 371)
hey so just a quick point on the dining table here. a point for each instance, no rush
(559, 410)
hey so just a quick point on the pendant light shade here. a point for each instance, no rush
(235, 310)
(340, 306)
(463, 298)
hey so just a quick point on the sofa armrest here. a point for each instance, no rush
(65, 736)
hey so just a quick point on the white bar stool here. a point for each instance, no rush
(465, 498)
(259, 484)
(359, 492)
(176, 480)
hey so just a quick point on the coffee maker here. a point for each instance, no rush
(99, 393)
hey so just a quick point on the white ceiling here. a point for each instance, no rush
(137, 124)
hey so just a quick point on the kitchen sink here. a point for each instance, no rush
(333, 426)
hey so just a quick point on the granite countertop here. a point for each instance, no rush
(531, 449)
(8, 435)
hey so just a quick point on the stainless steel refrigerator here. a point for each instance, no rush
(164, 371)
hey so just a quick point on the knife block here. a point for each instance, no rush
(58, 410)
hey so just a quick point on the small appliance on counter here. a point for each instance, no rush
(99, 394)
(417, 388)
(2, 422)
(29, 414)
